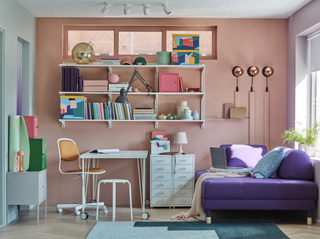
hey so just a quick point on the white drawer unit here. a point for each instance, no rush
(27, 188)
(171, 180)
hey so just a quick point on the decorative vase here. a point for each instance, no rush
(310, 150)
(195, 115)
(180, 109)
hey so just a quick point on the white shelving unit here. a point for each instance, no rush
(155, 94)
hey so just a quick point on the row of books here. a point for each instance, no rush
(144, 114)
(107, 61)
(107, 110)
(71, 80)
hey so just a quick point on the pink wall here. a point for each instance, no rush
(245, 42)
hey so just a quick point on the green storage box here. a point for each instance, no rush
(38, 154)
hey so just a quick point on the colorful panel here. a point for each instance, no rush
(185, 58)
(185, 42)
(72, 107)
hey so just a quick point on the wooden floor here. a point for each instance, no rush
(68, 225)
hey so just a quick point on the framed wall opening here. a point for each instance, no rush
(2, 135)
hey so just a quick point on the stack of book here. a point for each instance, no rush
(71, 80)
(107, 61)
(144, 114)
(118, 87)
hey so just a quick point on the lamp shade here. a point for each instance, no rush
(180, 138)
(122, 97)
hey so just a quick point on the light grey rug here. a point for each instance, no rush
(126, 230)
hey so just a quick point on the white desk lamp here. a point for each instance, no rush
(180, 138)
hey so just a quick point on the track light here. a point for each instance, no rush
(146, 9)
(166, 9)
(105, 9)
(126, 9)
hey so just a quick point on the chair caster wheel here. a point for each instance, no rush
(59, 210)
(84, 216)
(77, 213)
(145, 215)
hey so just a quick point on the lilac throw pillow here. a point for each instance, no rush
(244, 156)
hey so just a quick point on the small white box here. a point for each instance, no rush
(160, 146)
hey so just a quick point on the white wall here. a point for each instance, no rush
(15, 21)
(299, 25)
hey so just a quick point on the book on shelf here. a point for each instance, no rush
(71, 80)
(143, 117)
(145, 114)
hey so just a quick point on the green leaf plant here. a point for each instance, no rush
(305, 136)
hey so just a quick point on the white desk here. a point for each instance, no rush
(140, 155)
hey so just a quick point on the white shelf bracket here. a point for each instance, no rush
(202, 125)
(63, 124)
(109, 124)
(156, 124)
(156, 104)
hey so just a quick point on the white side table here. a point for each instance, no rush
(27, 188)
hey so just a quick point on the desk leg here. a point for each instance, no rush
(37, 214)
(45, 208)
(143, 185)
(144, 215)
(83, 192)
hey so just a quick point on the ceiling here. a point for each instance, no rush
(179, 8)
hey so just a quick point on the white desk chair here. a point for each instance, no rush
(114, 182)
(68, 151)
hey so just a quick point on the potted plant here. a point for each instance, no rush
(292, 135)
(310, 139)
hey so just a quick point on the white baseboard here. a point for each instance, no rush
(12, 217)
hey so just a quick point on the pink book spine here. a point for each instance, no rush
(101, 110)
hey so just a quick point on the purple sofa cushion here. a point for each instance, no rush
(243, 188)
(295, 165)
(245, 156)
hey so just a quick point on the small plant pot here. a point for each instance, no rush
(310, 150)
(301, 146)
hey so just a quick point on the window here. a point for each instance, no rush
(139, 43)
(121, 41)
(101, 41)
(313, 59)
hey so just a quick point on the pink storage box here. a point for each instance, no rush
(168, 82)
(32, 126)
(95, 85)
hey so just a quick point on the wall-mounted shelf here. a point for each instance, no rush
(156, 122)
(155, 94)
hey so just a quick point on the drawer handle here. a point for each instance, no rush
(160, 201)
(182, 177)
(183, 200)
(159, 169)
(159, 185)
(181, 185)
(160, 176)
(160, 160)
(182, 168)
(159, 193)
(182, 160)
(184, 193)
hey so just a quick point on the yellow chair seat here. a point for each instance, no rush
(91, 170)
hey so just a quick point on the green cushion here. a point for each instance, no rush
(269, 164)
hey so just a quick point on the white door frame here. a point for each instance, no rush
(3, 208)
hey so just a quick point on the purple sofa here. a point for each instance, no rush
(290, 188)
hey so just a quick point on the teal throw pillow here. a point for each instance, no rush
(268, 164)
